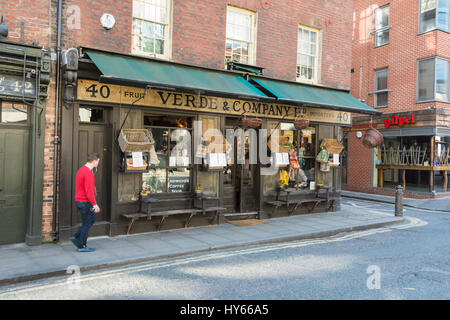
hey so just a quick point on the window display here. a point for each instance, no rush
(173, 148)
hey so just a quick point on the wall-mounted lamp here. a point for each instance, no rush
(358, 134)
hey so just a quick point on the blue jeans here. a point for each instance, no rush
(87, 220)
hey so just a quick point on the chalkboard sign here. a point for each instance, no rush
(11, 85)
(179, 184)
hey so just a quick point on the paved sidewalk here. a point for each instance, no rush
(440, 204)
(20, 262)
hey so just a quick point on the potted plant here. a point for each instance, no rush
(144, 192)
(198, 190)
(319, 183)
(282, 185)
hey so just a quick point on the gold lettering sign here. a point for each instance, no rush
(89, 90)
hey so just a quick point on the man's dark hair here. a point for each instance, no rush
(93, 156)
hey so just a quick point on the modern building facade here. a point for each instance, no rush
(162, 65)
(400, 66)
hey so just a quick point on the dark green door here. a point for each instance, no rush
(14, 162)
(96, 138)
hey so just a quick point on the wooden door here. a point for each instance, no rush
(97, 138)
(14, 180)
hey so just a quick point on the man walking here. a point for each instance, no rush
(85, 202)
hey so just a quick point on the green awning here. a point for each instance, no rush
(314, 96)
(129, 70)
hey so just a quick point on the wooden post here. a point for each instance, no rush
(432, 164)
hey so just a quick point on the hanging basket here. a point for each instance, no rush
(251, 122)
(372, 138)
(301, 124)
(135, 140)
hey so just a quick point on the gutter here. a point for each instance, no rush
(54, 233)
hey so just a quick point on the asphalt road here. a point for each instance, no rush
(405, 261)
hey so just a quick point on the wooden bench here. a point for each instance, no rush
(288, 201)
(148, 213)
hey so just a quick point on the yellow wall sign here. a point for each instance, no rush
(89, 90)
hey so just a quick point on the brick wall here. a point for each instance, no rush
(199, 31)
(34, 22)
(198, 37)
(405, 47)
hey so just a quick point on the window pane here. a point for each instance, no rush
(155, 180)
(90, 114)
(161, 137)
(442, 80)
(13, 113)
(381, 79)
(427, 15)
(159, 46)
(179, 180)
(148, 45)
(426, 80)
(443, 15)
(148, 29)
(137, 26)
(381, 38)
(381, 99)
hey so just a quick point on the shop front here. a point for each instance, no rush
(24, 80)
(188, 146)
(415, 153)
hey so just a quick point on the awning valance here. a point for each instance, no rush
(314, 96)
(135, 71)
(129, 70)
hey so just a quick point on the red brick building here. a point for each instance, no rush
(400, 65)
(305, 41)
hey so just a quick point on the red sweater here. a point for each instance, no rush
(85, 186)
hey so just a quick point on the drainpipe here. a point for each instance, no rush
(56, 137)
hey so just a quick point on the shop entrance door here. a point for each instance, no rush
(240, 187)
(96, 136)
(14, 162)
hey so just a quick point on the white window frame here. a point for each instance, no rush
(384, 28)
(167, 32)
(316, 55)
(252, 44)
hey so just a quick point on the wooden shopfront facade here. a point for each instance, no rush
(188, 103)
(415, 153)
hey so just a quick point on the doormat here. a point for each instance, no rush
(246, 222)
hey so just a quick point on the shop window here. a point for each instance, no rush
(381, 88)
(433, 80)
(307, 54)
(172, 137)
(397, 152)
(303, 144)
(434, 14)
(240, 37)
(13, 113)
(150, 30)
(87, 114)
(441, 158)
(382, 26)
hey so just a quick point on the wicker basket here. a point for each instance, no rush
(372, 138)
(301, 124)
(135, 140)
(251, 122)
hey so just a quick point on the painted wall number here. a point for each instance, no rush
(104, 91)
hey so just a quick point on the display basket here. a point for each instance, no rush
(251, 122)
(135, 140)
(372, 138)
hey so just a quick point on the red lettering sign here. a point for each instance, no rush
(400, 121)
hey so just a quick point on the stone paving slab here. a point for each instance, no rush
(22, 263)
